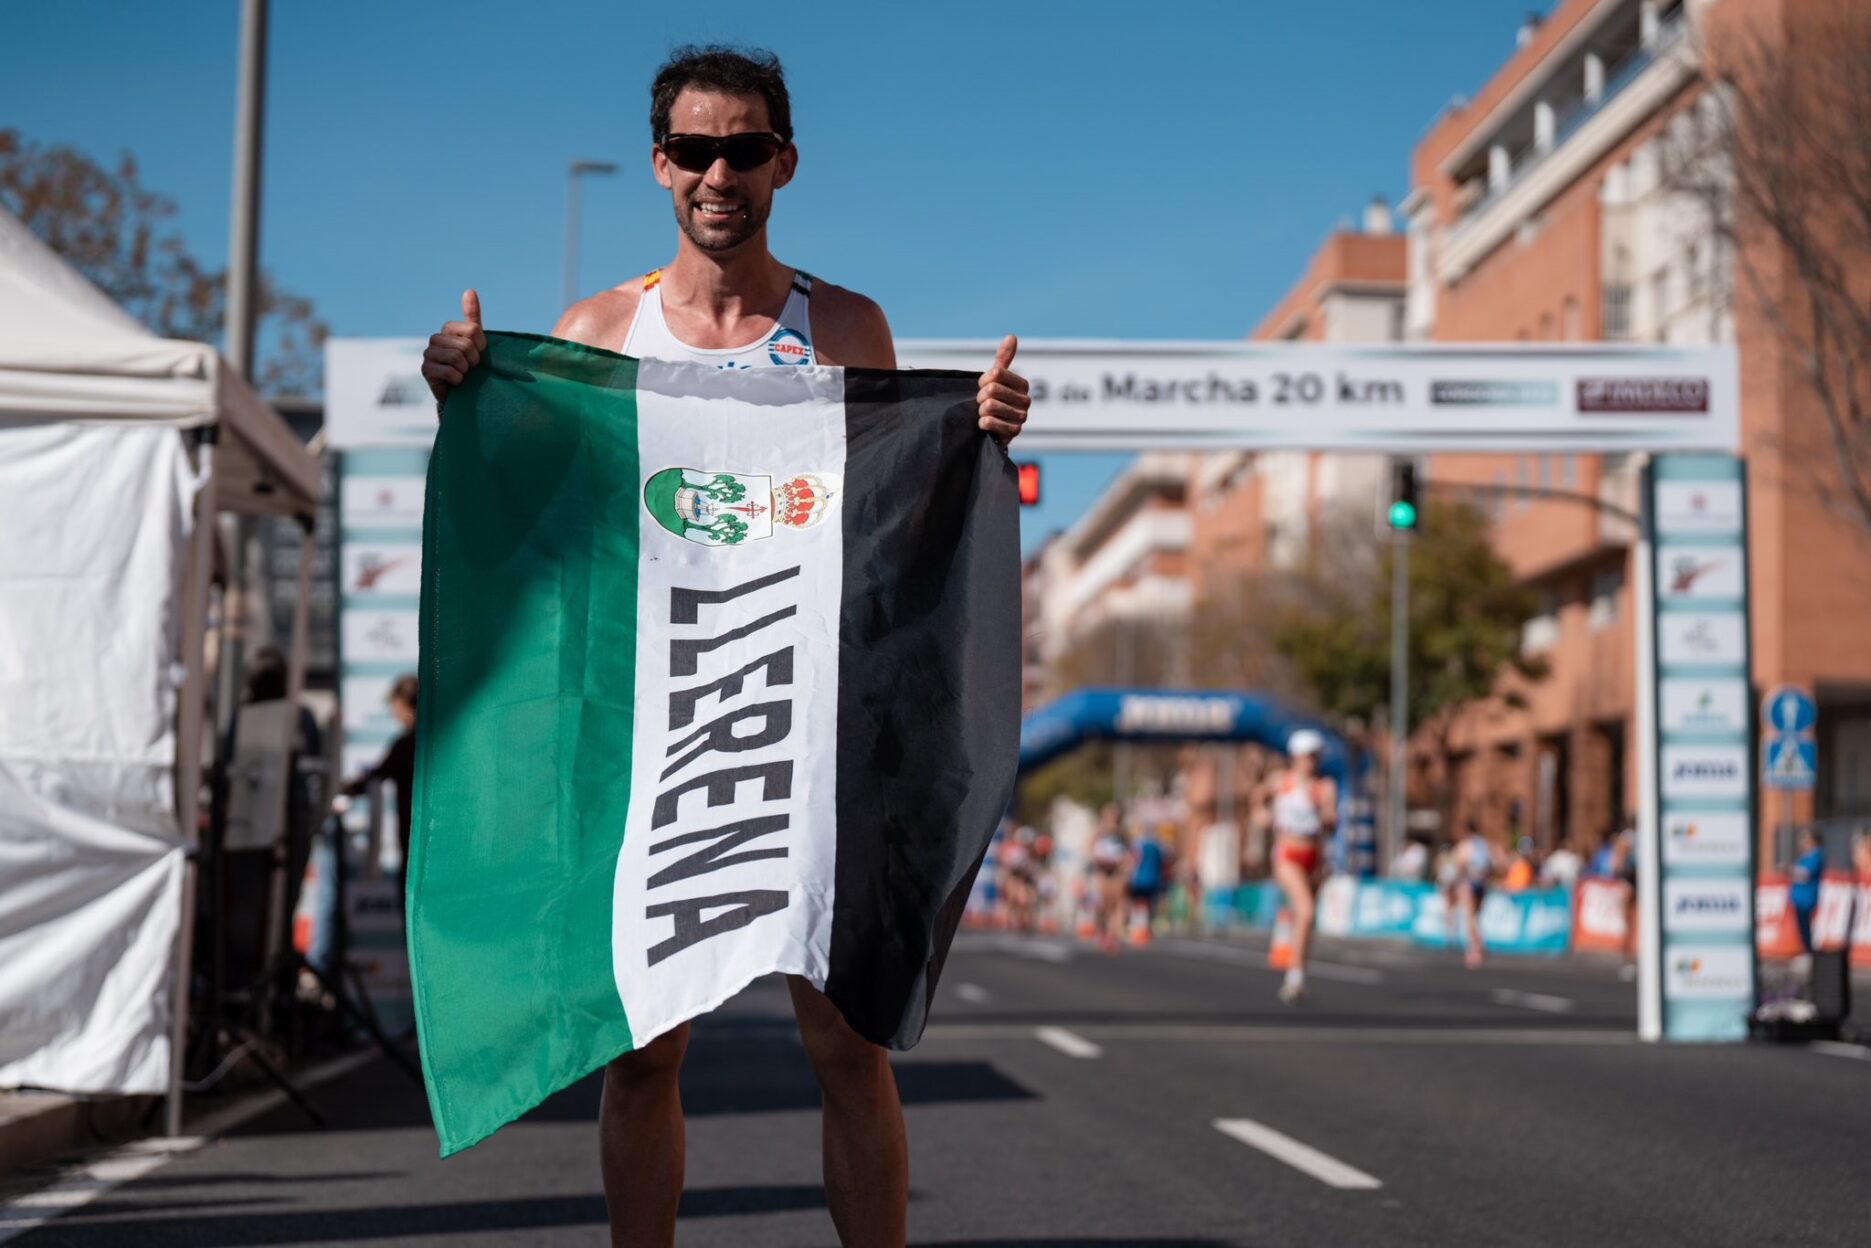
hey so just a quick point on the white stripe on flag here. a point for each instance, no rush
(675, 959)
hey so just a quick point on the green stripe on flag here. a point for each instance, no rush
(529, 609)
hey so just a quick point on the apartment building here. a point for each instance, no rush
(1539, 211)
(1255, 512)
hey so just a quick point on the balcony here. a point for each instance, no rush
(1583, 130)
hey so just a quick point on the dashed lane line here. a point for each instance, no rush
(1243, 957)
(85, 1182)
(1069, 1043)
(1837, 1048)
(1302, 1157)
(1254, 1033)
(1543, 1002)
(973, 994)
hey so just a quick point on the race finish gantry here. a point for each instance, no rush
(1677, 407)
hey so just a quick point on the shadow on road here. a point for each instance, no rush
(95, 1226)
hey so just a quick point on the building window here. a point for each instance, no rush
(1542, 631)
(1546, 472)
(1568, 471)
(1497, 498)
(1603, 612)
(1692, 267)
(1546, 327)
(1617, 311)
(1521, 481)
(1660, 302)
(1569, 319)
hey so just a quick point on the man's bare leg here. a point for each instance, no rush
(640, 1142)
(867, 1167)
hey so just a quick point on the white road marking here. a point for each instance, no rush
(1252, 1033)
(973, 994)
(1040, 948)
(1302, 1157)
(1068, 1043)
(83, 1183)
(1532, 1001)
(1839, 1049)
(1248, 957)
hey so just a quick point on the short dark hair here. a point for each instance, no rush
(718, 67)
(266, 675)
(404, 691)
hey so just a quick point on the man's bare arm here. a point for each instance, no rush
(850, 330)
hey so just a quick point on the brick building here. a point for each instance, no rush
(1540, 211)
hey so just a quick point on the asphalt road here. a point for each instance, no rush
(1063, 1097)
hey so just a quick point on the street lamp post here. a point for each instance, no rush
(572, 172)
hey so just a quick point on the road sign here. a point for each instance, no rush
(1789, 762)
(1788, 711)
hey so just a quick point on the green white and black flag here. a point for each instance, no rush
(720, 677)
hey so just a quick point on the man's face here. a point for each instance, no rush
(720, 209)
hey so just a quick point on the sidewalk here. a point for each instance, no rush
(41, 1127)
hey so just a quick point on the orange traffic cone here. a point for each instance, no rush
(1280, 953)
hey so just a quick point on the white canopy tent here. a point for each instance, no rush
(115, 447)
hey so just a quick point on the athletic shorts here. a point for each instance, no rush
(1301, 854)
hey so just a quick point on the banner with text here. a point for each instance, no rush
(1420, 397)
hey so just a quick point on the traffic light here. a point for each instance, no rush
(1403, 513)
(1029, 484)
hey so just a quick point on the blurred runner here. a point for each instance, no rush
(1803, 884)
(1146, 883)
(1476, 866)
(1303, 806)
(1110, 866)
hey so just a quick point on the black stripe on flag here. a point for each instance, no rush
(929, 687)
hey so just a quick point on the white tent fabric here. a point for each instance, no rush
(90, 855)
(98, 498)
(68, 353)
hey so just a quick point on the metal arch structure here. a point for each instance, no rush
(1170, 715)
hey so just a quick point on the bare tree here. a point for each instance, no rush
(1778, 154)
(115, 231)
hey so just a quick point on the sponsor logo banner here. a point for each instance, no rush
(1643, 394)
(1705, 771)
(1707, 972)
(381, 502)
(1687, 574)
(1335, 396)
(366, 701)
(375, 636)
(1706, 905)
(1692, 705)
(1692, 639)
(1480, 391)
(1706, 840)
(381, 569)
(1686, 508)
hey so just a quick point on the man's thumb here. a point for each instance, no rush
(1004, 357)
(471, 307)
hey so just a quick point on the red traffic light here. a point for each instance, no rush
(1029, 484)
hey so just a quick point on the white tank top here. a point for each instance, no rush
(1296, 810)
(790, 342)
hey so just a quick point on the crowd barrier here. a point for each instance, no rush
(1592, 917)
(1533, 922)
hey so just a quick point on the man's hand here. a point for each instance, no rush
(458, 348)
(1003, 399)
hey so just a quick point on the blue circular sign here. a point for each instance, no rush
(1789, 710)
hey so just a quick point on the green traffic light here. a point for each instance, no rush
(1402, 515)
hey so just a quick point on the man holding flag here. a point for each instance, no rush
(722, 146)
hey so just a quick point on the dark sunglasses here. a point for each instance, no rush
(697, 153)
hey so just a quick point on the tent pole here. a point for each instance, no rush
(278, 922)
(199, 574)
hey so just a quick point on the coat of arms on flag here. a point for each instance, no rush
(728, 508)
(647, 776)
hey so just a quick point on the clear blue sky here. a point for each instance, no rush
(1088, 170)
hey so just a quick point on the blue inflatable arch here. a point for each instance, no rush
(1167, 715)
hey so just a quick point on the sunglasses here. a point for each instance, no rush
(697, 153)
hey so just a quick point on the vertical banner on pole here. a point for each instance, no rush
(1702, 830)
